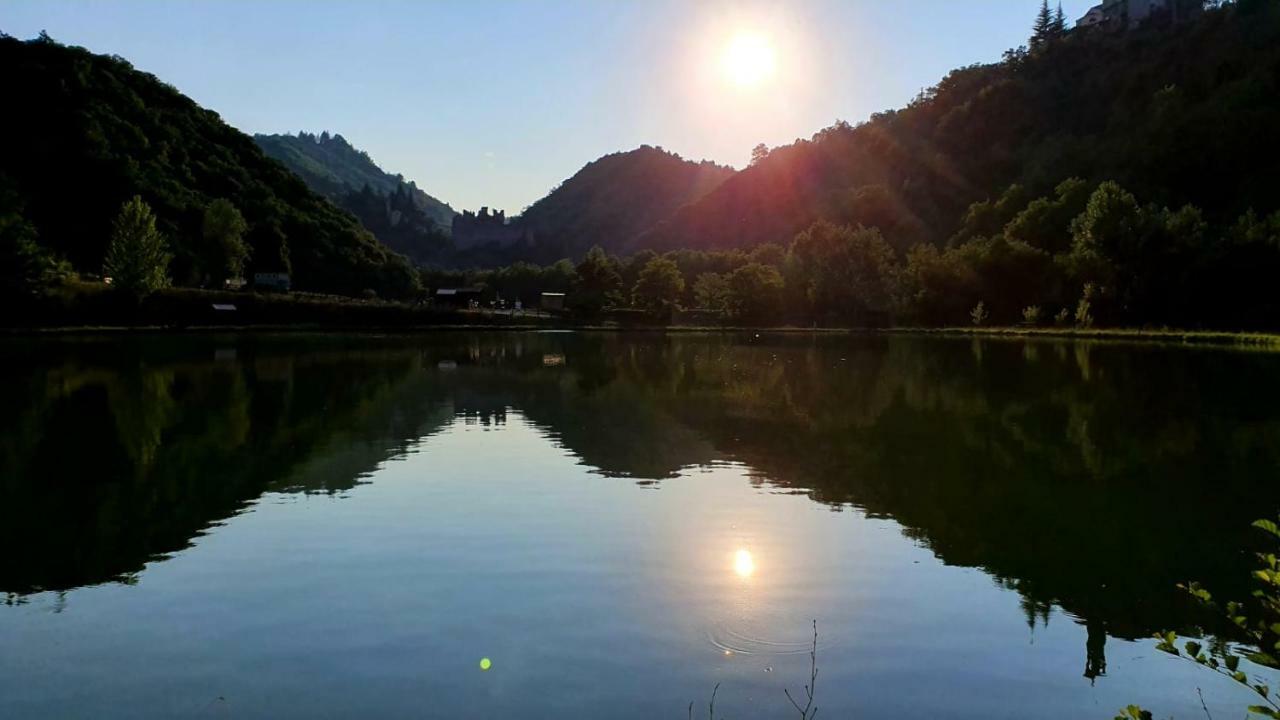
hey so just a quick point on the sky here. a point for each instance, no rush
(495, 103)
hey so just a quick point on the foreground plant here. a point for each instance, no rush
(1261, 631)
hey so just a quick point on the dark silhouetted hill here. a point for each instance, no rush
(614, 199)
(81, 133)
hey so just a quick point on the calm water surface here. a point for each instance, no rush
(316, 527)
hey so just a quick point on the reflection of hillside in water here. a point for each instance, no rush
(1067, 471)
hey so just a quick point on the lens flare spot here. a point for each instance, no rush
(485, 663)
(743, 564)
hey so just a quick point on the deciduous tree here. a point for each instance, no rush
(138, 257)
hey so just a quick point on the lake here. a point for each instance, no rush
(303, 526)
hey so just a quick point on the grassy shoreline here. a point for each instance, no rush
(93, 309)
(1189, 337)
(484, 323)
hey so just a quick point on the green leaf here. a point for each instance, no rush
(1193, 648)
(1233, 662)
(1240, 677)
(1267, 526)
(1264, 711)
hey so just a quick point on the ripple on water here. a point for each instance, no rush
(765, 636)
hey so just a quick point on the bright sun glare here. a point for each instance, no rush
(743, 564)
(749, 60)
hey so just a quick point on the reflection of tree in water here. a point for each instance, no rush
(1063, 470)
(110, 461)
(1095, 662)
(1059, 468)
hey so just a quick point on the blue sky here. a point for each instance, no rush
(494, 103)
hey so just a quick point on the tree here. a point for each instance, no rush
(755, 293)
(138, 257)
(633, 265)
(1109, 231)
(758, 153)
(25, 266)
(1059, 23)
(847, 274)
(1008, 275)
(225, 248)
(1045, 223)
(711, 292)
(658, 289)
(1142, 259)
(938, 286)
(596, 285)
(768, 254)
(986, 218)
(1042, 29)
(558, 277)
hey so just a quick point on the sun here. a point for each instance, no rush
(748, 60)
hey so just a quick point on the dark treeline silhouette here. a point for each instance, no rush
(1080, 255)
(83, 133)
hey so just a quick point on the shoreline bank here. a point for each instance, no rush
(1163, 336)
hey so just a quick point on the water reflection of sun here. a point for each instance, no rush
(743, 564)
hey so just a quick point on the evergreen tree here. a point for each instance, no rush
(1059, 23)
(138, 257)
(1042, 30)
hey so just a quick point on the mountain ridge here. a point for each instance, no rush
(332, 166)
(1160, 108)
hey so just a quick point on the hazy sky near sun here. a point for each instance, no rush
(494, 103)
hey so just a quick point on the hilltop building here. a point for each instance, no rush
(1125, 14)
(471, 230)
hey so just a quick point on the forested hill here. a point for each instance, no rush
(81, 133)
(1175, 114)
(612, 200)
(397, 212)
(332, 167)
